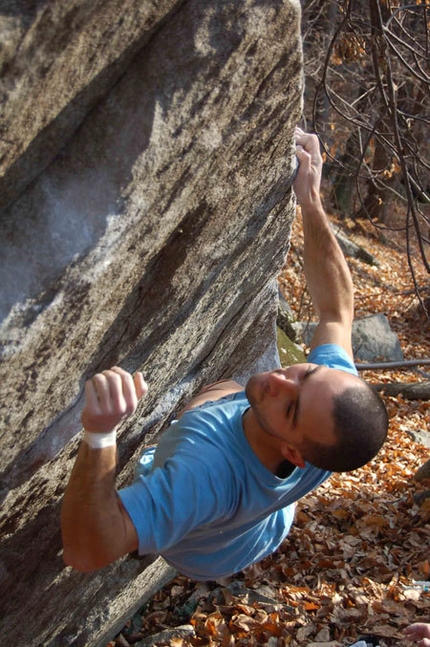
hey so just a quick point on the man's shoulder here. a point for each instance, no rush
(333, 356)
(210, 428)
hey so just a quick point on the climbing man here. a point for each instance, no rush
(218, 492)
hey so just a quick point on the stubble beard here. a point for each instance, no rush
(255, 401)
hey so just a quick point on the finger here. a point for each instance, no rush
(140, 385)
(300, 151)
(416, 630)
(119, 370)
(305, 159)
(91, 398)
(304, 147)
(423, 628)
(101, 386)
(131, 392)
(299, 138)
(114, 378)
(299, 130)
(134, 387)
(312, 148)
(302, 134)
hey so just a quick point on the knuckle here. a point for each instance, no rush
(110, 374)
(118, 370)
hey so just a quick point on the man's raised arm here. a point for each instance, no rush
(96, 528)
(327, 274)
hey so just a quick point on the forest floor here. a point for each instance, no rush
(357, 558)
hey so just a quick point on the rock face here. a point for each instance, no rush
(146, 211)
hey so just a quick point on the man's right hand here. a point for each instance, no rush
(111, 396)
(308, 179)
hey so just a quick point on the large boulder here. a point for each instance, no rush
(57, 60)
(372, 339)
(146, 211)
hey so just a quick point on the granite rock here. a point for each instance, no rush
(147, 209)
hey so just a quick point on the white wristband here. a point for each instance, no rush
(100, 441)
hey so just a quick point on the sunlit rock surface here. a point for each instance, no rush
(145, 163)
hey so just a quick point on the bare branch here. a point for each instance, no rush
(372, 89)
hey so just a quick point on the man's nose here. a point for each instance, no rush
(280, 383)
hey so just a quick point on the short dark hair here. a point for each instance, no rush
(360, 429)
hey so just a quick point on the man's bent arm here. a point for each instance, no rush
(95, 526)
(327, 274)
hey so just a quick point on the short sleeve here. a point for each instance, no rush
(171, 501)
(333, 356)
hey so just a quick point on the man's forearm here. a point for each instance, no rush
(91, 520)
(95, 526)
(327, 274)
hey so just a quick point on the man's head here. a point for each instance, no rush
(317, 414)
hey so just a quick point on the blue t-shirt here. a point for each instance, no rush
(202, 498)
(333, 356)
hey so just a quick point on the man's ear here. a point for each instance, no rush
(292, 454)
